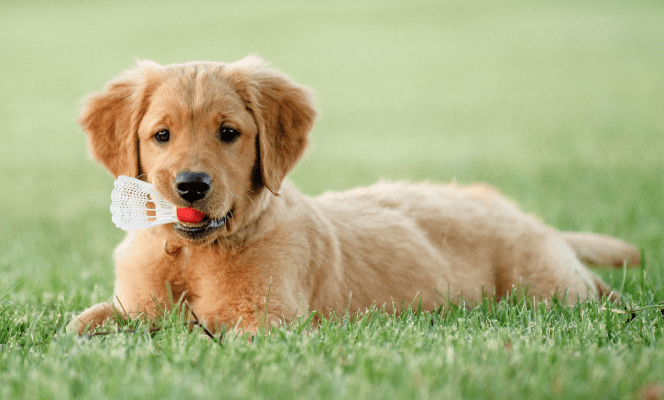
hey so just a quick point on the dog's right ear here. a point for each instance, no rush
(110, 118)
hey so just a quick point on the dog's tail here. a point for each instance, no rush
(598, 250)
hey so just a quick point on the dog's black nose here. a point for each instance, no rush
(193, 186)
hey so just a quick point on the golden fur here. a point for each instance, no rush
(390, 243)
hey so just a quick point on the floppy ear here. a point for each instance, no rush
(110, 119)
(284, 113)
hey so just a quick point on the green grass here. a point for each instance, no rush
(559, 104)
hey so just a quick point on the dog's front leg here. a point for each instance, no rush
(149, 277)
(91, 318)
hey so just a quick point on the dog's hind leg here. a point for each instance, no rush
(544, 263)
(571, 273)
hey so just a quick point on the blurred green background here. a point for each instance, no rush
(558, 104)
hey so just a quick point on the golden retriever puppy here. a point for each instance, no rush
(220, 138)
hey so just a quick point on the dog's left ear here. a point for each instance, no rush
(284, 112)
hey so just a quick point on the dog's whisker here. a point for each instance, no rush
(250, 199)
(232, 194)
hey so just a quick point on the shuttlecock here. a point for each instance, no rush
(137, 205)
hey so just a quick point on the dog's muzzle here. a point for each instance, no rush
(204, 229)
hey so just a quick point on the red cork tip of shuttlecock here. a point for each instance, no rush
(190, 215)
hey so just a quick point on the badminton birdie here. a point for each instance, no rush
(137, 205)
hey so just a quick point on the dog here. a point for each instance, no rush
(221, 138)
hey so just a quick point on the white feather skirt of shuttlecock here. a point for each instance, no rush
(137, 205)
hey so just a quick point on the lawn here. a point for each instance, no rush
(558, 104)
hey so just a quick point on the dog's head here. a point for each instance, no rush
(211, 136)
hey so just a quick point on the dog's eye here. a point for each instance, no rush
(228, 135)
(162, 136)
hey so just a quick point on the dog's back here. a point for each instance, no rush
(476, 242)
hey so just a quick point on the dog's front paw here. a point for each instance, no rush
(91, 318)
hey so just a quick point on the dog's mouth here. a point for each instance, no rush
(202, 229)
